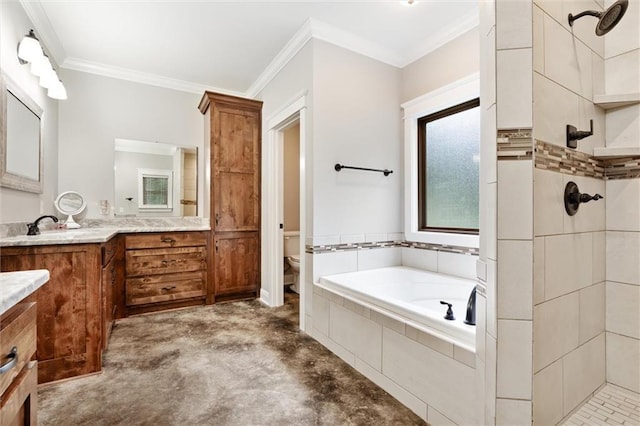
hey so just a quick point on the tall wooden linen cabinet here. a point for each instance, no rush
(233, 126)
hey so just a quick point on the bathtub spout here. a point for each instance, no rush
(471, 309)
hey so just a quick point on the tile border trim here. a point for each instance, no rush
(330, 248)
(514, 144)
(559, 159)
(518, 144)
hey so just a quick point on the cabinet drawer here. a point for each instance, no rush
(18, 330)
(169, 239)
(19, 404)
(165, 261)
(161, 288)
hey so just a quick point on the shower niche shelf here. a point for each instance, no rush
(616, 152)
(616, 101)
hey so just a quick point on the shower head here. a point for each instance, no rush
(607, 19)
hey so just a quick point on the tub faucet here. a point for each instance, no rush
(33, 227)
(471, 308)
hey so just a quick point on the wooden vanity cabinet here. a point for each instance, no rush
(69, 314)
(165, 270)
(19, 380)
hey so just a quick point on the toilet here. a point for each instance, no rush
(292, 254)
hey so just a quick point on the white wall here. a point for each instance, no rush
(20, 206)
(357, 123)
(454, 60)
(101, 109)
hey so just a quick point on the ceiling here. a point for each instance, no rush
(232, 46)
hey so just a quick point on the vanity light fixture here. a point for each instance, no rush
(30, 52)
(29, 49)
(57, 90)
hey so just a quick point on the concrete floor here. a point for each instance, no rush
(230, 364)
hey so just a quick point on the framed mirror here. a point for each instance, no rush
(21, 144)
(70, 203)
(155, 179)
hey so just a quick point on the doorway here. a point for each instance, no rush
(289, 121)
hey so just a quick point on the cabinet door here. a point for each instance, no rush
(237, 262)
(236, 170)
(69, 319)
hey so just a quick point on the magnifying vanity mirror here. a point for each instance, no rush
(20, 138)
(154, 179)
(70, 203)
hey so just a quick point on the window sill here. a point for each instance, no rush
(444, 238)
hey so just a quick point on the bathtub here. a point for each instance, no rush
(412, 296)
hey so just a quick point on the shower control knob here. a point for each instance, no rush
(585, 198)
(573, 198)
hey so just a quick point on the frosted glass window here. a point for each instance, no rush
(449, 169)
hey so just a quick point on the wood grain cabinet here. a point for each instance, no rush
(112, 285)
(234, 128)
(18, 373)
(165, 270)
(69, 314)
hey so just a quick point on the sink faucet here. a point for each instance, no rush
(33, 227)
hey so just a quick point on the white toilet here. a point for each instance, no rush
(292, 253)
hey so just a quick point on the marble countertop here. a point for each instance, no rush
(91, 235)
(15, 286)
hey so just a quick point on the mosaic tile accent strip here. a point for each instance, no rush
(564, 160)
(514, 144)
(472, 251)
(621, 168)
(610, 406)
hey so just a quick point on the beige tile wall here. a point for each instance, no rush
(622, 75)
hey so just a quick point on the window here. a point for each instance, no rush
(155, 189)
(449, 169)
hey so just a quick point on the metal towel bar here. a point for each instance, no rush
(339, 167)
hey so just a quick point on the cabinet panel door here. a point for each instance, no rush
(69, 320)
(237, 259)
(236, 170)
(237, 207)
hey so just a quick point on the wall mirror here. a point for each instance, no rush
(20, 138)
(70, 203)
(155, 179)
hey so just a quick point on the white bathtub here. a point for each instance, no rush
(411, 294)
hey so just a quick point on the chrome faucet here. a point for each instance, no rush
(33, 227)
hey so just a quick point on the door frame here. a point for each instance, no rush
(272, 289)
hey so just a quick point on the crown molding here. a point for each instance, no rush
(286, 54)
(350, 41)
(314, 29)
(44, 31)
(311, 29)
(318, 30)
(465, 24)
(97, 68)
